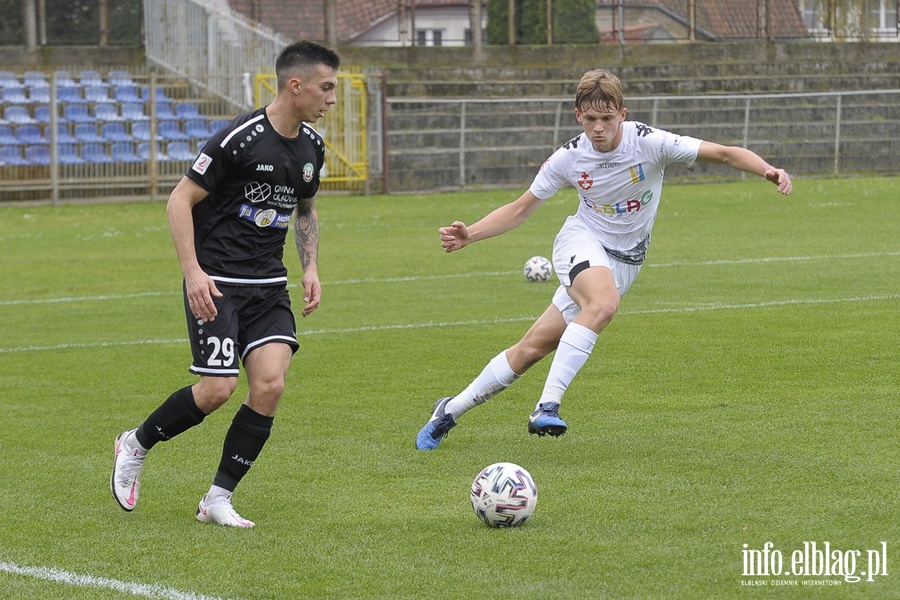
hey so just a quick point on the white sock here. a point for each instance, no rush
(575, 347)
(494, 378)
(217, 494)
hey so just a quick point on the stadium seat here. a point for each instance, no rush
(8, 79)
(64, 80)
(30, 134)
(133, 111)
(180, 151)
(39, 95)
(90, 78)
(160, 94)
(95, 153)
(18, 115)
(12, 155)
(115, 132)
(143, 150)
(68, 155)
(107, 112)
(7, 136)
(140, 130)
(13, 95)
(35, 79)
(164, 111)
(78, 113)
(63, 136)
(217, 124)
(69, 94)
(37, 155)
(196, 128)
(119, 78)
(171, 130)
(87, 132)
(187, 110)
(124, 152)
(42, 114)
(97, 94)
(126, 93)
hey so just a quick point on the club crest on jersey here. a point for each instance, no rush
(585, 182)
(308, 172)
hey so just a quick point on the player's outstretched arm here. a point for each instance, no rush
(509, 216)
(745, 160)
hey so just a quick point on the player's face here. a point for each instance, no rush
(314, 92)
(602, 126)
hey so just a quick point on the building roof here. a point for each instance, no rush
(723, 19)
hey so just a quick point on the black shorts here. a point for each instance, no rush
(249, 317)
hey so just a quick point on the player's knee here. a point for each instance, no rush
(600, 311)
(212, 392)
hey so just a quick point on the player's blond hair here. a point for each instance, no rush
(600, 90)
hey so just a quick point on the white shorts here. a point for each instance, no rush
(577, 246)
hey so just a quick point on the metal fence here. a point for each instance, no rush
(460, 144)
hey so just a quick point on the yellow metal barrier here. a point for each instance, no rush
(344, 128)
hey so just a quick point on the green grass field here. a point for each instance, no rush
(746, 393)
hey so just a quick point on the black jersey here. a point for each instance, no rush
(254, 177)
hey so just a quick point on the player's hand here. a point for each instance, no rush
(455, 237)
(312, 293)
(780, 178)
(200, 293)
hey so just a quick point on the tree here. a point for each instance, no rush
(574, 21)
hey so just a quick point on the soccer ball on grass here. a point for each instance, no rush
(503, 495)
(538, 268)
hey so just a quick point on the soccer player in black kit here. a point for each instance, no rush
(229, 217)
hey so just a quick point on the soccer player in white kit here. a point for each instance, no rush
(617, 166)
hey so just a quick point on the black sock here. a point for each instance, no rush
(244, 441)
(174, 416)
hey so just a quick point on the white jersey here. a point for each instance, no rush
(619, 190)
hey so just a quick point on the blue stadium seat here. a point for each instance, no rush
(12, 155)
(97, 94)
(39, 95)
(217, 124)
(87, 132)
(134, 111)
(69, 94)
(42, 114)
(8, 79)
(164, 111)
(119, 78)
(18, 115)
(126, 93)
(30, 134)
(68, 155)
(180, 151)
(63, 136)
(140, 130)
(187, 110)
(13, 95)
(171, 130)
(107, 112)
(95, 153)
(7, 136)
(90, 78)
(143, 150)
(197, 129)
(64, 80)
(124, 152)
(35, 80)
(37, 155)
(115, 132)
(78, 113)
(161, 95)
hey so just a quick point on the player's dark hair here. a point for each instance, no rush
(303, 55)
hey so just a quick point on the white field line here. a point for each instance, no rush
(429, 324)
(707, 263)
(79, 580)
